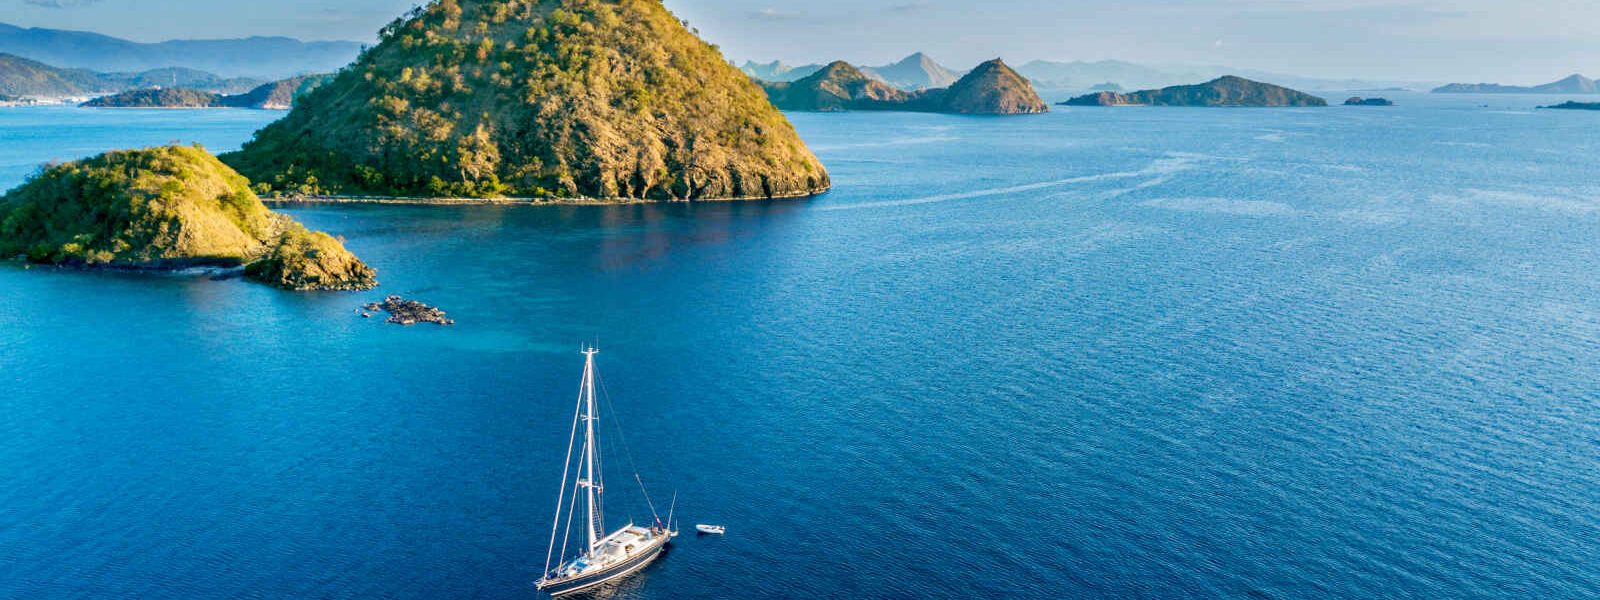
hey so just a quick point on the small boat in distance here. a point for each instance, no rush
(712, 529)
(604, 556)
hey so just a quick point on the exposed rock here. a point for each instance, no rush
(407, 312)
(304, 260)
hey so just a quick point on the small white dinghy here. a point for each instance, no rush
(712, 529)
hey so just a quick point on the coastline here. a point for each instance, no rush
(514, 201)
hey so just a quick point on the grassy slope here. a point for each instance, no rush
(165, 207)
(559, 98)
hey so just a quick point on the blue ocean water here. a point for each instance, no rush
(1101, 353)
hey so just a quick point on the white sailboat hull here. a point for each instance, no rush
(566, 585)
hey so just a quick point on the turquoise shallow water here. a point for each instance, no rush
(1102, 353)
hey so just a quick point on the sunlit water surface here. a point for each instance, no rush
(1102, 353)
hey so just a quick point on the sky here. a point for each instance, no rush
(1506, 41)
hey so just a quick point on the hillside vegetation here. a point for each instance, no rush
(990, 89)
(166, 207)
(554, 98)
(1223, 91)
(159, 98)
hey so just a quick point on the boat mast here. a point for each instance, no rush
(589, 451)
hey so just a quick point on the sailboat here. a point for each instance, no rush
(604, 556)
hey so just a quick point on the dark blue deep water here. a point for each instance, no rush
(1125, 353)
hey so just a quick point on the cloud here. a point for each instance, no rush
(60, 3)
(773, 14)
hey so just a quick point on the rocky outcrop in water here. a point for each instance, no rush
(408, 312)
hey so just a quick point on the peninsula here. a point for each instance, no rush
(1223, 91)
(1572, 84)
(611, 100)
(166, 208)
(1570, 105)
(278, 95)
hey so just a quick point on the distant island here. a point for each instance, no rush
(579, 99)
(778, 70)
(159, 98)
(912, 73)
(916, 72)
(1223, 91)
(261, 58)
(1570, 105)
(165, 208)
(1359, 101)
(992, 88)
(21, 77)
(278, 95)
(1572, 84)
(1106, 87)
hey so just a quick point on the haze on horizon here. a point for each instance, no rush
(1526, 42)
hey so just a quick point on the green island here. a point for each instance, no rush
(992, 88)
(1573, 105)
(1223, 91)
(164, 208)
(159, 98)
(566, 99)
(277, 95)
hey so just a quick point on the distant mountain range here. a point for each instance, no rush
(1573, 84)
(916, 72)
(259, 57)
(21, 77)
(1081, 75)
(778, 70)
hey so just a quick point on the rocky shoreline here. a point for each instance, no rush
(406, 312)
(509, 201)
